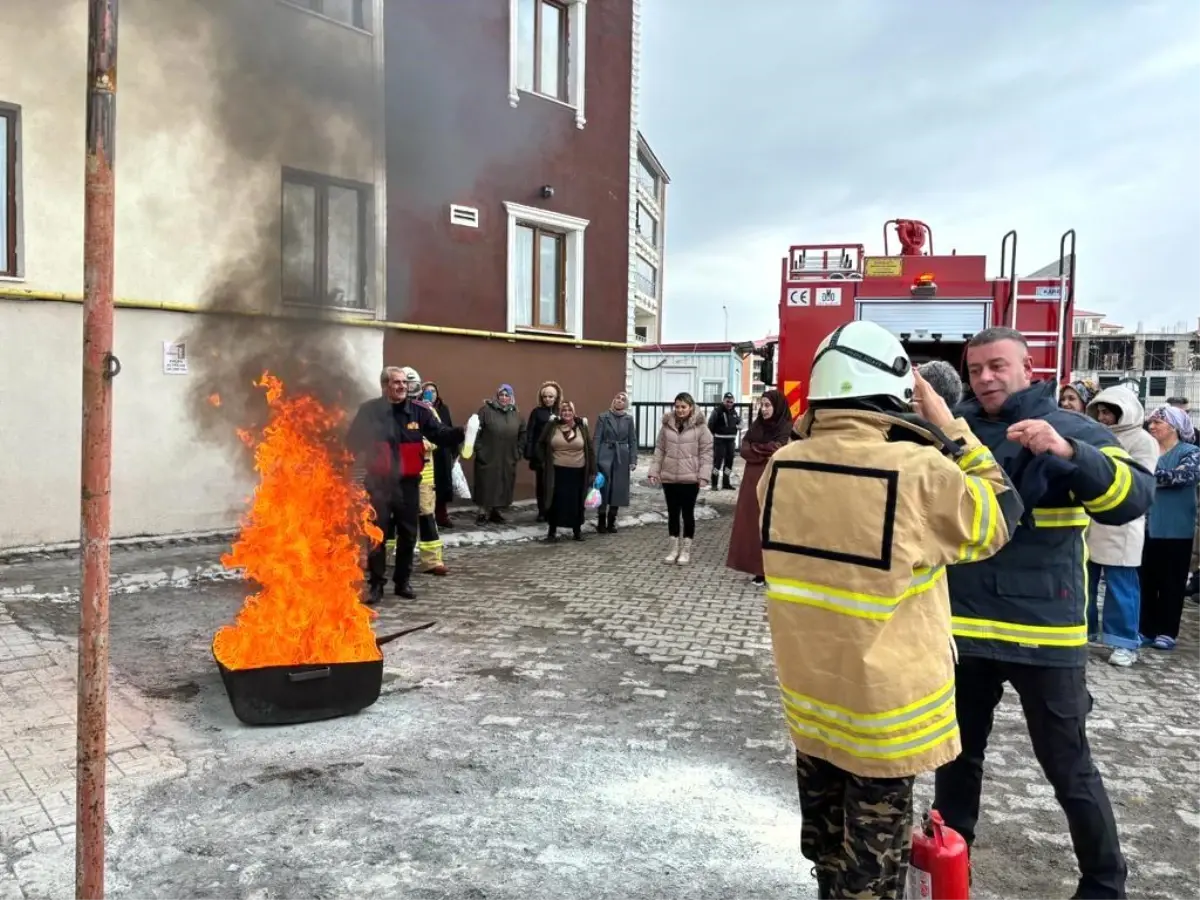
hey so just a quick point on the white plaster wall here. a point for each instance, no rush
(164, 479)
(186, 212)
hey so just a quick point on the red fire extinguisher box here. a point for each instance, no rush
(940, 868)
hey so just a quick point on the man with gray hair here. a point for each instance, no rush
(944, 380)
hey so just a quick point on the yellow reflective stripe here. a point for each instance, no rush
(911, 744)
(850, 603)
(1115, 452)
(983, 521)
(911, 714)
(976, 460)
(1060, 517)
(1117, 491)
(1013, 633)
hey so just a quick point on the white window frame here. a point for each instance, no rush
(576, 59)
(720, 391)
(574, 229)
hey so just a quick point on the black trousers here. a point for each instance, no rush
(397, 511)
(1164, 575)
(856, 831)
(1056, 703)
(681, 504)
(723, 454)
(539, 480)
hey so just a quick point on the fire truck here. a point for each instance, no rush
(933, 303)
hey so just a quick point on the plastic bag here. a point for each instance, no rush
(592, 501)
(458, 481)
(599, 482)
(468, 447)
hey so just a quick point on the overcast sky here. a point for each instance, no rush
(813, 121)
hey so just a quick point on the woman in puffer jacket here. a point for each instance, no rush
(1115, 551)
(683, 456)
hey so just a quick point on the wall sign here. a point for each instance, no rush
(799, 296)
(175, 358)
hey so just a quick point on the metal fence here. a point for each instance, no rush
(648, 417)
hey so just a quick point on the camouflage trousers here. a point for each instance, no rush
(856, 831)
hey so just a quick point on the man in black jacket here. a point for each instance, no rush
(724, 423)
(1021, 616)
(388, 436)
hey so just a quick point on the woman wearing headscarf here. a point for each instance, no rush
(550, 396)
(499, 445)
(683, 455)
(568, 460)
(1076, 395)
(1115, 551)
(1169, 527)
(443, 457)
(616, 458)
(769, 431)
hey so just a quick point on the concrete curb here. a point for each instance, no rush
(181, 576)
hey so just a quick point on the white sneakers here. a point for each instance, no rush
(685, 552)
(672, 551)
(1123, 658)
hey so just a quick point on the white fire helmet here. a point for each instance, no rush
(861, 359)
(412, 381)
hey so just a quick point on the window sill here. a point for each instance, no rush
(513, 99)
(546, 332)
(365, 313)
(325, 18)
(12, 279)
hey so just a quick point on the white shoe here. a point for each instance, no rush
(1123, 658)
(672, 551)
(685, 552)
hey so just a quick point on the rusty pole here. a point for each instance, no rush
(99, 368)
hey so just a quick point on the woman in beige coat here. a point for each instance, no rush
(683, 456)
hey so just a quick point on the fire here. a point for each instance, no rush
(214, 399)
(300, 543)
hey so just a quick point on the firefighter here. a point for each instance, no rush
(857, 603)
(724, 423)
(429, 541)
(1021, 616)
(388, 435)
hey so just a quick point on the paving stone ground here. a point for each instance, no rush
(583, 721)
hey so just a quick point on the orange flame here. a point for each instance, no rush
(300, 542)
(214, 399)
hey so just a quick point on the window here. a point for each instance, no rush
(712, 391)
(8, 192)
(348, 12)
(1158, 355)
(542, 43)
(545, 270)
(757, 388)
(647, 277)
(1158, 386)
(547, 42)
(647, 178)
(325, 229)
(647, 225)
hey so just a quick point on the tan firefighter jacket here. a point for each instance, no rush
(859, 521)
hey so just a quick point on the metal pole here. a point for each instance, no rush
(99, 368)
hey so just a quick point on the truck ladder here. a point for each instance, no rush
(1066, 300)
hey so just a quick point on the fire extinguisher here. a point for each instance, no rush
(940, 868)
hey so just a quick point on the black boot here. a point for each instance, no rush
(405, 590)
(713, 483)
(374, 595)
(601, 521)
(725, 483)
(611, 524)
(577, 534)
(552, 535)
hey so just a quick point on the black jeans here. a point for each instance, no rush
(397, 510)
(1164, 575)
(723, 454)
(681, 503)
(1056, 703)
(539, 480)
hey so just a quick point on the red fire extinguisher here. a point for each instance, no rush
(940, 868)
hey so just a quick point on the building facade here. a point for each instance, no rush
(650, 224)
(512, 148)
(249, 176)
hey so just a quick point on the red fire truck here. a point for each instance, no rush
(932, 303)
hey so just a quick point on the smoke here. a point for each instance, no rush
(284, 89)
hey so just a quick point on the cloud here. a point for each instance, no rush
(790, 123)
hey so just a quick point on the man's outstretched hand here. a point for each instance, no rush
(928, 403)
(1039, 436)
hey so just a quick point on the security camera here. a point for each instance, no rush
(547, 191)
